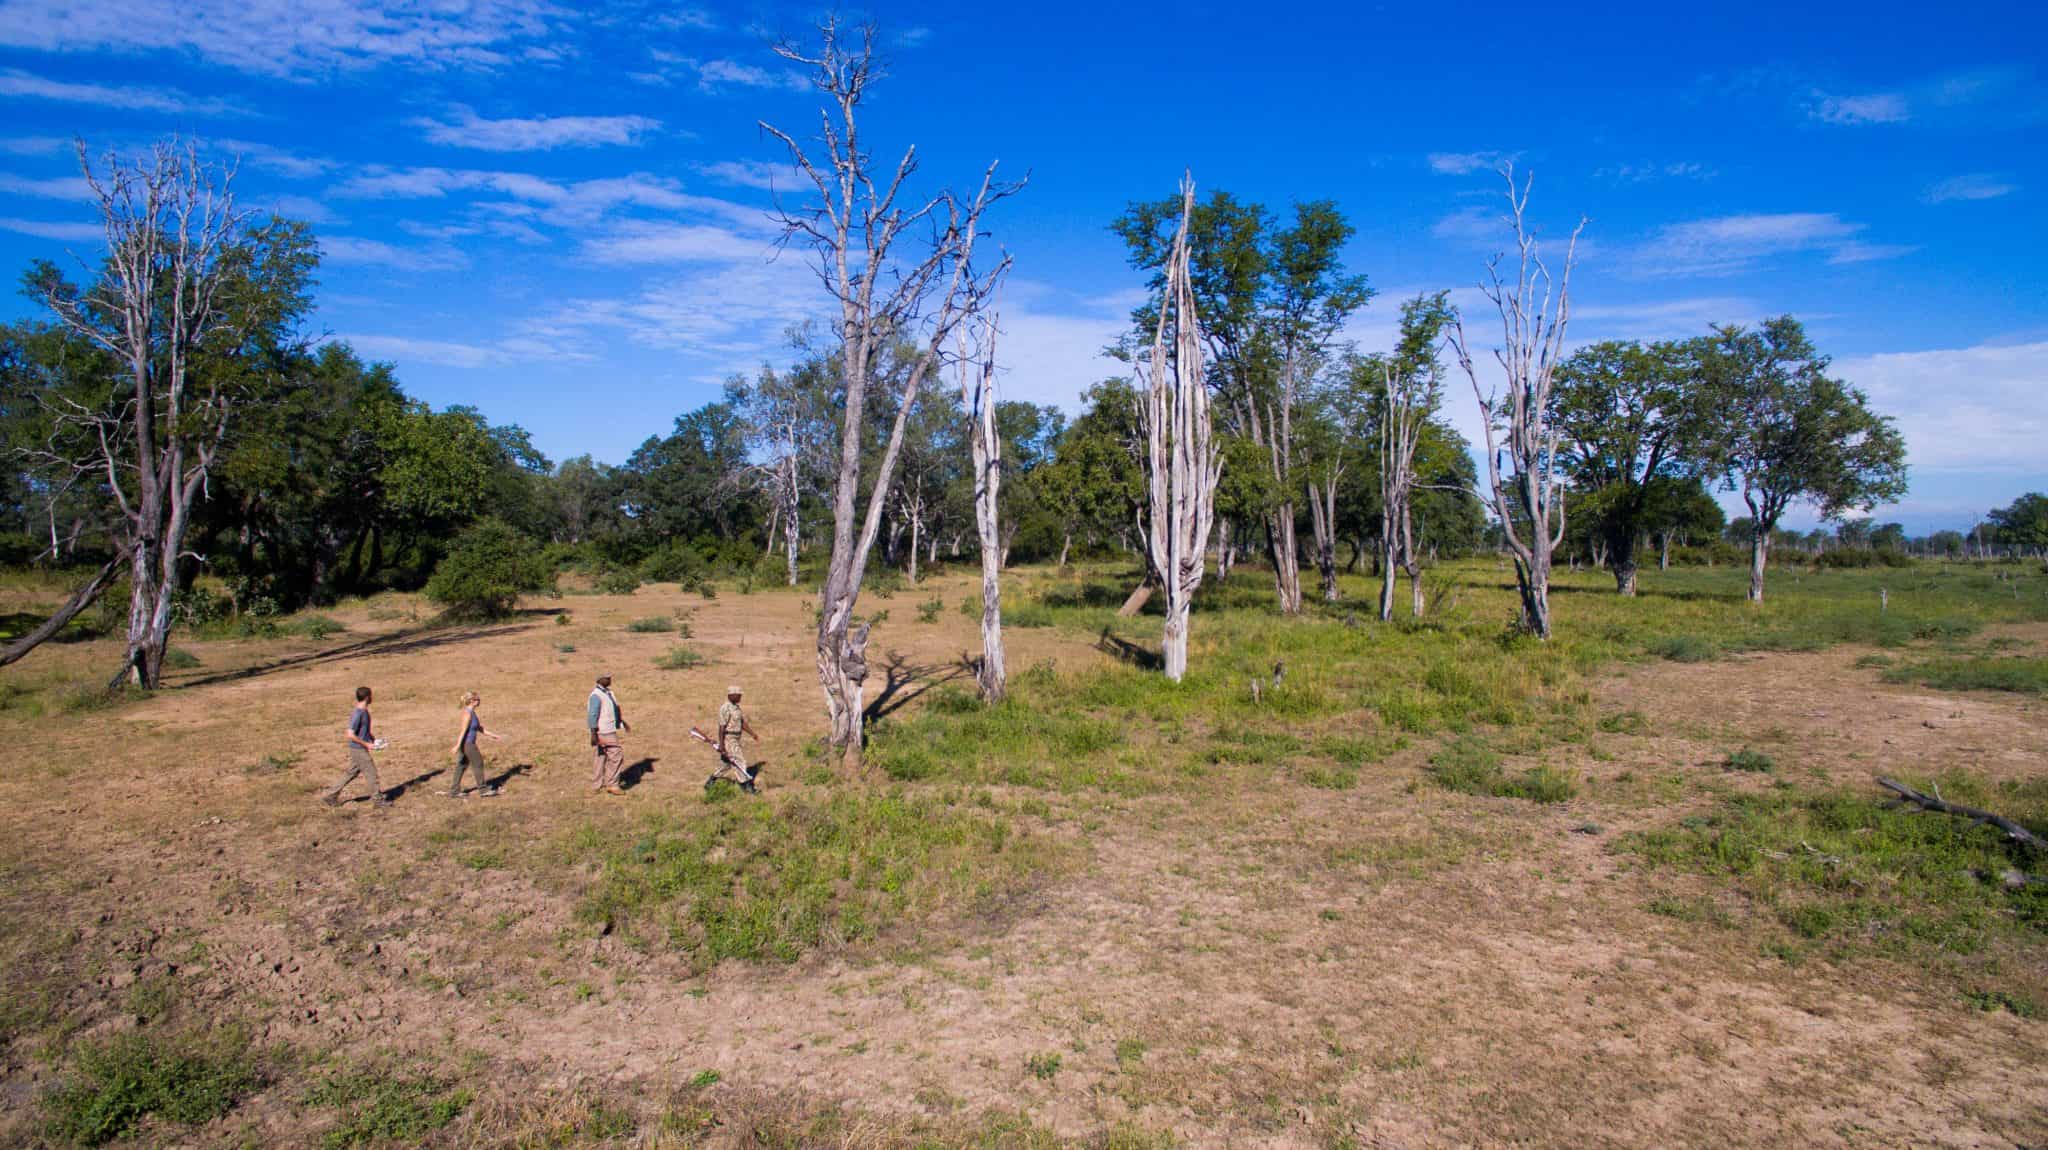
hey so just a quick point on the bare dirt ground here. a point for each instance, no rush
(1282, 966)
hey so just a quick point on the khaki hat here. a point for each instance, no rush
(733, 689)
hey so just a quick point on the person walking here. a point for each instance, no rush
(466, 753)
(605, 720)
(362, 739)
(732, 723)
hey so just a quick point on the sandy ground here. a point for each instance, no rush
(1303, 967)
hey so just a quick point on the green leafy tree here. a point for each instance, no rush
(2023, 523)
(1629, 416)
(487, 570)
(1787, 432)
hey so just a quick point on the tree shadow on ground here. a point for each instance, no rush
(1126, 651)
(636, 771)
(404, 642)
(903, 681)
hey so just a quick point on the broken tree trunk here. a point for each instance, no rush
(2012, 830)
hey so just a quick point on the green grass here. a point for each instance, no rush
(1748, 760)
(383, 1108)
(1847, 869)
(679, 658)
(114, 1085)
(767, 882)
(1470, 767)
(2018, 674)
(651, 625)
(1044, 1067)
(1685, 648)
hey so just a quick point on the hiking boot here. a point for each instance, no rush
(750, 788)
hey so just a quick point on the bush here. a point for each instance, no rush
(651, 625)
(1748, 760)
(928, 611)
(119, 1082)
(1848, 558)
(676, 563)
(679, 658)
(618, 581)
(487, 571)
(380, 1108)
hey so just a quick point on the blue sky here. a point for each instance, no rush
(557, 215)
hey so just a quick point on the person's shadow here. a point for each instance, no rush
(634, 772)
(506, 775)
(400, 790)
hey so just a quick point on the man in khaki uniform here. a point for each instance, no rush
(605, 720)
(732, 723)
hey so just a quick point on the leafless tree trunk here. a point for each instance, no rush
(1182, 463)
(853, 229)
(1411, 562)
(1532, 318)
(1066, 546)
(79, 601)
(1322, 518)
(985, 445)
(169, 219)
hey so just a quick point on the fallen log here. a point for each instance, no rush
(2012, 830)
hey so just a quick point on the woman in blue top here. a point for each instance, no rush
(466, 754)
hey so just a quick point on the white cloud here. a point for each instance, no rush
(1979, 409)
(290, 165)
(752, 174)
(304, 208)
(1661, 319)
(355, 250)
(465, 129)
(736, 312)
(42, 229)
(1465, 163)
(644, 242)
(1873, 108)
(1474, 225)
(289, 37)
(1974, 186)
(29, 86)
(60, 188)
(1724, 245)
(715, 74)
(1643, 173)
(35, 145)
(405, 349)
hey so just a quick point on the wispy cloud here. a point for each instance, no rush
(1643, 173)
(1468, 225)
(35, 145)
(1465, 163)
(59, 188)
(463, 128)
(48, 230)
(643, 242)
(1661, 319)
(1975, 186)
(291, 165)
(571, 204)
(292, 37)
(751, 174)
(1872, 108)
(1724, 245)
(28, 86)
(356, 250)
(713, 75)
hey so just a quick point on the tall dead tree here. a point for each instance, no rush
(977, 365)
(858, 229)
(171, 227)
(1182, 463)
(1400, 429)
(1529, 499)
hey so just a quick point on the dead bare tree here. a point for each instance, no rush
(977, 365)
(1406, 403)
(171, 225)
(884, 295)
(1182, 463)
(1533, 312)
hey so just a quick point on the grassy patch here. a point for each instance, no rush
(1030, 739)
(679, 658)
(1847, 868)
(651, 625)
(1472, 768)
(1685, 648)
(381, 1107)
(1747, 759)
(767, 883)
(113, 1086)
(2019, 674)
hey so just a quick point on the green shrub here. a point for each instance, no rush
(179, 659)
(487, 570)
(651, 625)
(115, 1084)
(1043, 1067)
(928, 611)
(679, 658)
(617, 581)
(1748, 760)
